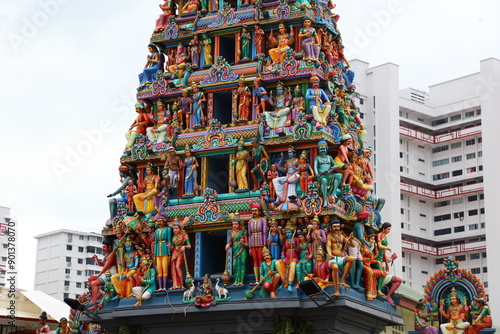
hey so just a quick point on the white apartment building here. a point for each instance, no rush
(64, 262)
(435, 166)
(4, 243)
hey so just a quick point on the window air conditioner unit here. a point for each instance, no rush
(70, 239)
(66, 288)
(68, 264)
(67, 275)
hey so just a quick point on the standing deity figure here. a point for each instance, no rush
(279, 116)
(306, 173)
(298, 106)
(180, 242)
(185, 109)
(245, 42)
(207, 50)
(321, 271)
(257, 237)
(282, 43)
(310, 41)
(191, 6)
(173, 164)
(243, 98)
(140, 125)
(455, 313)
(342, 160)
(258, 39)
(194, 50)
(161, 250)
(261, 99)
(199, 101)
(238, 242)
(271, 174)
(190, 173)
(108, 263)
(483, 319)
(144, 201)
(157, 133)
(319, 103)
(304, 265)
(154, 63)
(261, 158)
(241, 166)
(274, 240)
(289, 257)
(336, 241)
(43, 322)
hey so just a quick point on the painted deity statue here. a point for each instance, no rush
(245, 40)
(274, 240)
(161, 250)
(190, 7)
(158, 131)
(144, 201)
(238, 242)
(199, 101)
(126, 174)
(319, 103)
(243, 98)
(147, 282)
(282, 43)
(279, 116)
(195, 50)
(258, 39)
(289, 257)
(269, 275)
(139, 126)
(321, 271)
(185, 108)
(207, 50)
(455, 313)
(483, 319)
(306, 173)
(337, 257)
(261, 158)
(257, 236)
(310, 41)
(173, 164)
(179, 63)
(342, 160)
(324, 168)
(422, 318)
(122, 279)
(286, 186)
(241, 166)
(298, 106)
(180, 242)
(261, 99)
(190, 173)
(168, 8)
(153, 64)
(304, 265)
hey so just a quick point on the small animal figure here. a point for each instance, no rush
(189, 293)
(221, 291)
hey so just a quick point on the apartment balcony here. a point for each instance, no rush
(443, 251)
(430, 139)
(432, 194)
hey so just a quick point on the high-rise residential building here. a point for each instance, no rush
(64, 262)
(4, 243)
(435, 164)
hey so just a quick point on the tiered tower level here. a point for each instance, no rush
(245, 162)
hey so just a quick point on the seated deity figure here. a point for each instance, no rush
(319, 103)
(278, 117)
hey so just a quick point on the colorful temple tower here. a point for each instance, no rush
(245, 168)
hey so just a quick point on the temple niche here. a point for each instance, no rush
(245, 180)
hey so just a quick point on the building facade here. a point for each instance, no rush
(4, 232)
(64, 261)
(438, 208)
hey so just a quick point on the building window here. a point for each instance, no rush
(440, 121)
(66, 283)
(480, 140)
(420, 146)
(79, 272)
(478, 112)
(480, 167)
(484, 254)
(425, 272)
(440, 176)
(470, 156)
(401, 169)
(471, 170)
(458, 229)
(457, 172)
(423, 258)
(472, 198)
(421, 201)
(481, 196)
(455, 117)
(473, 212)
(91, 249)
(475, 256)
(66, 295)
(470, 142)
(78, 284)
(441, 203)
(442, 217)
(439, 261)
(401, 155)
(481, 211)
(81, 237)
(80, 249)
(421, 160)
(423, 215)
(475, 271)
(456, 159)
(440, 162)
(440, 149)
(469, 114)
(483, 225)
(69, 247)
(485, 269)
(473, 227)
(479, 154)
(80, 261)
(456, 145)
(402, 211)
(70, 235)
(68, 259)
(458, 200)
(442, 231)
(67, 271)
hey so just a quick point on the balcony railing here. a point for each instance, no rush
(443, 251)
(430, 139)
(461, 190)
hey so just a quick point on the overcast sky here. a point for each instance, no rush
(69, 72)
